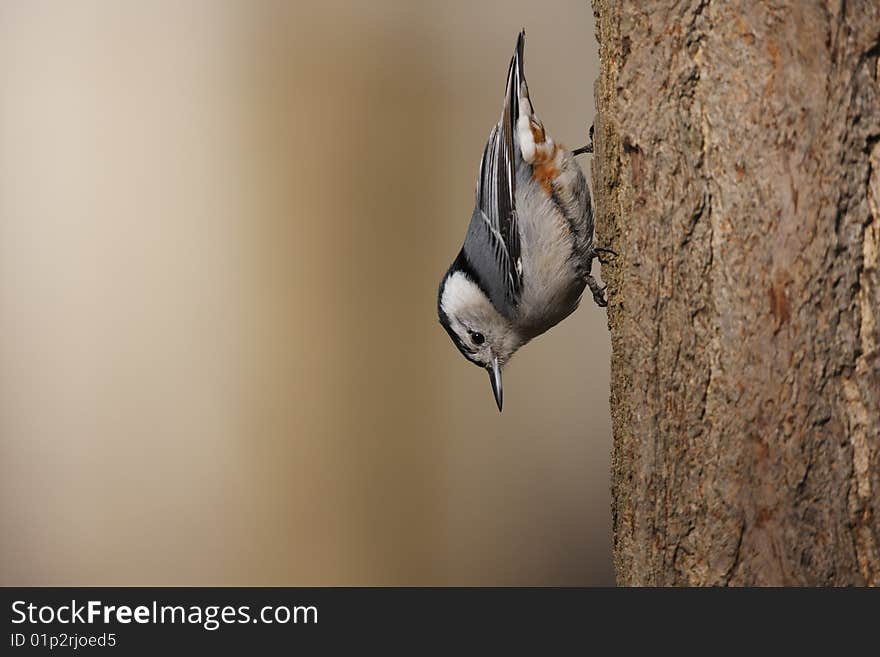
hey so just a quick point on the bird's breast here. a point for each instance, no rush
(552, 282)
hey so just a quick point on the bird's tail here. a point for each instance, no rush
(529, 136)
(516, 87)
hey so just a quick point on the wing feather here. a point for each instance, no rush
(493, 242)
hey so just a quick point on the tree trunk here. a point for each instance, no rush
(737, 176)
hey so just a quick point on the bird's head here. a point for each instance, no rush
(483, 335)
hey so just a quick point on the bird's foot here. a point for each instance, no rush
(597, 251)
(585, 149)
(598, 291)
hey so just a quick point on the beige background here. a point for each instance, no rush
(222, 226)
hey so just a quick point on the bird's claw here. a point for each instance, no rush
(598, 250)
(585, 149)
(598, 292)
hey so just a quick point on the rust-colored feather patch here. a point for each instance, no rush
(537, 129)
(545, 161)
(545, 169)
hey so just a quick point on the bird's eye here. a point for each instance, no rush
(478, 338)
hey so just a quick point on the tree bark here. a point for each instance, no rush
(737, 176)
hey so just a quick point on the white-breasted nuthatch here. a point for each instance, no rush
(528, 252)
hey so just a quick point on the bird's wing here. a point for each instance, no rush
(492, 243)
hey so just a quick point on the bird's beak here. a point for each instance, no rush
(495, 379)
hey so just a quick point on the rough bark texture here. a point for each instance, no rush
(737, 175)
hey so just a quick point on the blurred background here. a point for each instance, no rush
(222, 226)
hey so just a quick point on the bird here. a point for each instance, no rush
(528, 251)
